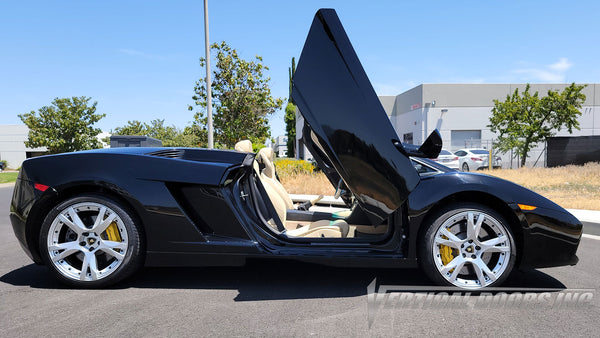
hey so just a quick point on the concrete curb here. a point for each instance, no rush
(9, 184)
(590, 220)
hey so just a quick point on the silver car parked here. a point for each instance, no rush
(474, 159)
(448, 159)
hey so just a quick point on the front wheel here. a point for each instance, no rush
(469, 246)
(90, 241)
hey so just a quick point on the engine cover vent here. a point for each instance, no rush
(170, 153)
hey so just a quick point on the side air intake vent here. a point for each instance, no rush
(170, 153)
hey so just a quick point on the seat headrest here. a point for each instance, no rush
(266, 157)
(244, 146)
(268, 152)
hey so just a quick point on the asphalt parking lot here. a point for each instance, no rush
(275, 298)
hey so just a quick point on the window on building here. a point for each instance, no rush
(465, 139)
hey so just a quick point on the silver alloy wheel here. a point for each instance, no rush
(79, 241)
(480, 249)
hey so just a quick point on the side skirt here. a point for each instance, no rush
(181, 259)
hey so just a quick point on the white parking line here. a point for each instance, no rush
(591, 236)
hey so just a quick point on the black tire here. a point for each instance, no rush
(114, 258)
(465, 167)
(435, 259)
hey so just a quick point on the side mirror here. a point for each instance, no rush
(429, 149)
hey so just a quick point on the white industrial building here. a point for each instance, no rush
(13, 149)
(280, 146)
(12, 145)
(461, 113)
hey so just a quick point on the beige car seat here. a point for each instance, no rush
(281, 200)
(266, 156)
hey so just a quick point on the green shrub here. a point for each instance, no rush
(290, 166)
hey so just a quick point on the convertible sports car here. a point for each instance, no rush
(95, 217)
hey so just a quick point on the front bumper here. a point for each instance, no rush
(551, 238)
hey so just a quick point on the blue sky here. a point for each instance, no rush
(139, 59)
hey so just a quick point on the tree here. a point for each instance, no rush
(291, 72)
(64, 126)
(290, 114)
(171, 136)
(522, 121)
(290, 128)
(242, 99)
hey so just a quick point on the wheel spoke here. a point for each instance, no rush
(492, 242)
(89, 261)
(479, 274)
(99, 218)
(117, 255)
(110, 246)
(452, 237)
(72, 225)
(102, 224)
(473, 226)
(114, 245)
(480, 265)
(456, 264)
(447, 242)
(75, 217)
(456, 271)
(495, 249)
(68, 247)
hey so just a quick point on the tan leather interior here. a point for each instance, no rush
(267, 157)
(281, 200)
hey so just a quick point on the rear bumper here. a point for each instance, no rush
(23, 204)
(19, 229)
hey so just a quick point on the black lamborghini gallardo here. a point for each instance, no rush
(96, 217)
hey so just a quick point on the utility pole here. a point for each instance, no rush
(208, 80)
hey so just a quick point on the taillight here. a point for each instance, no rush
(41, 187)
(455, 158)
(476, 159)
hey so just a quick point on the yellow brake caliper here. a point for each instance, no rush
(446, 253)
(112, 233)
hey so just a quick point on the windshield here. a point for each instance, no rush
(427, 167)
(479, 152)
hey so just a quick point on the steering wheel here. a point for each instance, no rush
(338, 189)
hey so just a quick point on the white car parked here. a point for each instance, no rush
(474, 159)
(448, 159)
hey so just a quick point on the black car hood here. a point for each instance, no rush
(350, 131)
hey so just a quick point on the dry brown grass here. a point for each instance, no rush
(315, 183)
(572, 187)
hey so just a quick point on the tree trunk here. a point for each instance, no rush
(524, 155)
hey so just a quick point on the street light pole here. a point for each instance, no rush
(208, 80)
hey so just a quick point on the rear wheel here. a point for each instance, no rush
(468, 245)
(465, 167)
(90, 241)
